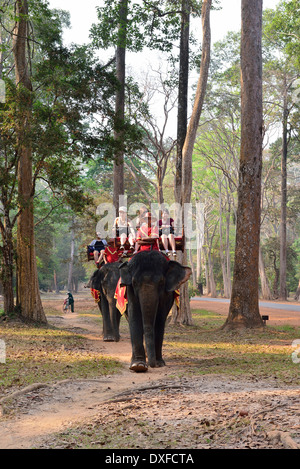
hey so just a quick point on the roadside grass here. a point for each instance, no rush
(206, 349)
(47, 354)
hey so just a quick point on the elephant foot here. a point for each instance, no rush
(110, 338)
(160, 363)
(138, 367)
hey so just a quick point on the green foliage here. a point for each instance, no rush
(155, 25)
(283, 27)
(271, 252)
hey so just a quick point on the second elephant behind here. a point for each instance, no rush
(104, 281)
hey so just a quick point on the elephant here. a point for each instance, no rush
(105, 281)
(151, 280)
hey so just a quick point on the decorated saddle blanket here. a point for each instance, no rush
(95, 295)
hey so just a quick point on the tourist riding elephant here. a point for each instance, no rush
(151, 280)
(104, 281)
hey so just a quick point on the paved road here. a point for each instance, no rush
(279, 312)
(265, 304)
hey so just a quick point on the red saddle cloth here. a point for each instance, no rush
(95, 295)
(121, 297)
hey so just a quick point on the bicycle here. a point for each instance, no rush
(66, 306)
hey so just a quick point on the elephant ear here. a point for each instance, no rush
(125, 275)
(176, 275)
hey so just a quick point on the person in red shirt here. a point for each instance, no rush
(147, 235)
(110, 254)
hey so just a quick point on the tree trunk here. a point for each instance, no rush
(30, 304)
(244, 305)
(182, 95)
(185, 316)
(297, 294)
(7, 269)
(189, 143)
(283, 245)
(265, 289)
(118, 178)
(223, 257)
(228, 260)
(71, 263)
(56, 286)
(211, 278)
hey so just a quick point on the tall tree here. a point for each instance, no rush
(184, 315)
(28, 295)
(45, 133)
(244, 306)
(182, 117)
(120, 103)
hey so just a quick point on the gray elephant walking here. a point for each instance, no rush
(151, 280)
(103, 283)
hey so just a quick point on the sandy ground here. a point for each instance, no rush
(51, 409)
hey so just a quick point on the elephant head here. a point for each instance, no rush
(151, 280)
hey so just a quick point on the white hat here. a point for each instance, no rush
(123, 209)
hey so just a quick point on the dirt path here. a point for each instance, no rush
(51, 409)
(181, 407)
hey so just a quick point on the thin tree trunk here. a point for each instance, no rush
(212, 283)
(182, 95)
(297, 294)
(193, 269)
(118, 175)
(228, 260)
(265, 289)
(30, 304)
(7, 270)
(244, 305)
(189, 143)
(283, 239)
(185, 316)
(56, 287)
(71, 263)
(222, 255)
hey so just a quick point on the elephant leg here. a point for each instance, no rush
(108, 333)
(150, 344)
(138, 359)
(162, 314)
(115, 318)
(149, 311)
